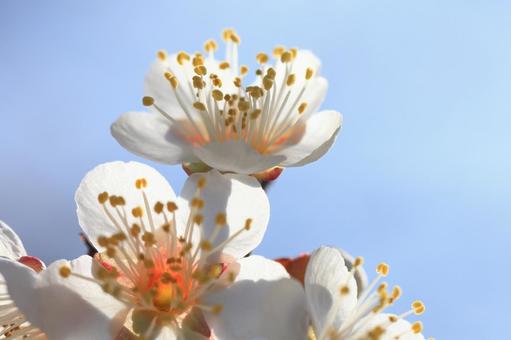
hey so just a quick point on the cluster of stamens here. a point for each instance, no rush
(263, 115)
(13, 323)
(160, 274)
(374, 299)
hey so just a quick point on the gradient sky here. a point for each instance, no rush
(420, 175)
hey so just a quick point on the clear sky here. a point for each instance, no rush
(420, 175)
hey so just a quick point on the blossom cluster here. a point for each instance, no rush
(167, 266)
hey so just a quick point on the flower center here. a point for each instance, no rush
(218, 107)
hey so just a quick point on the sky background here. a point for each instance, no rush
(420, 175)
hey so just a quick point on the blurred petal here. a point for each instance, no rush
(263, 303)
(152, 136)
(320, 133)
(10, 244)
(325, 275)
(71, 308)
(236, 156)
(117, 178)
(240, 198)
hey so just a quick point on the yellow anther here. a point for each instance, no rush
(278, 51)
(103, 197)
(418, 307)
(135, 230)
(291, 79)
(259, 72)
(221, 219)
(294, 52)
(172, 79)
(344, 290)
(235, 38)
(199, 106)
(302, 107)
(198, 219)
(243, 105)
(201, 70)
(226, 34)
(171, 207)
(255, 114)
(217, 309)
(201, 183)
(148, 239)
(110, 252)
(285, 57)
(206, 245)
(393, 318)
(383, 269)
(198, 60)
(197, 203)
(65, 271)
(396, 292)
(359, 261)
(198, 83)
(166, 227)
(248, 224)
(137, 212)
(210, 46)
(309, 73)
(237, 82)
(262, 58)
(267, 83)
(182, 57)
(217, 95)
(158, 207)
(162, 55)
(148, 101)
(271, 73)
(243, 70)
(141, 183)
(224, 65)
(382, 288)
(103, 241)
(417, 327)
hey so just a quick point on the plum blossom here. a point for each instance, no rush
(177, 263)
(36, 303)
(340, 311)
(203, 115)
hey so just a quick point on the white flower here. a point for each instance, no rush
(339, 311)
(201, 112)
(37, 303)
(169, 259)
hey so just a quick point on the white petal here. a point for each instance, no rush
(236, 156)
(326, 273)
(166, 333)
(239, 197)
(118, 178)
(320, 133)
(158, 87)
(71, 308)
(399, 328)
(152, 136)
(10, 244)
(262, 304)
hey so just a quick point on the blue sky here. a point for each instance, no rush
(420, 175)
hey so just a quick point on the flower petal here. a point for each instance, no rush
(236, 156)
(263, 303)
(152, 136)
(326, 274)
(320, 133)
(240, 198)
(71, 308)
(118, 178)
(10, 244)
